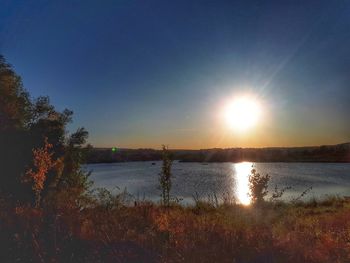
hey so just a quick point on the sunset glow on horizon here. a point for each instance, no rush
(191, 75)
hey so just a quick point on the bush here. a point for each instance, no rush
(258, 187)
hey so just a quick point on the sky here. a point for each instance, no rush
(139, 74)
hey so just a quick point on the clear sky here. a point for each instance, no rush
(146, 73)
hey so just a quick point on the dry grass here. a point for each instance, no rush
(275, 232)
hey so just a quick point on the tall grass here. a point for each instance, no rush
(109, 230)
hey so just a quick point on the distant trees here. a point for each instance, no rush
(33, 126)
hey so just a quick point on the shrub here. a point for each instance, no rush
(43, 163)
(165, 177)
(258, 186)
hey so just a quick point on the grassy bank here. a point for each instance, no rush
(109, 231)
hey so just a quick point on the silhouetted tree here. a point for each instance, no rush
(15, 104)
(24, 123)
(258, 186)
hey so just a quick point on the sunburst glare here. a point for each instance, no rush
(242, 113)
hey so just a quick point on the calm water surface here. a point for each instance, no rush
(222, 179)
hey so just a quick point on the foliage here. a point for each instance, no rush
(106, 199)
(165, 177)
(24, 124)
(15, 105)
(43, 163)
(73, 158)
(258, 185)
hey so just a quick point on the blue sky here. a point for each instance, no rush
(144, 73)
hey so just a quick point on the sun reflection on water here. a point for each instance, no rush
(241, 177)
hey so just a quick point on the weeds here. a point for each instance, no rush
(278, 193)
(200, 233)
(304, 193)
(165, 177)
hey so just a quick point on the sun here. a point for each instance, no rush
(242, 113)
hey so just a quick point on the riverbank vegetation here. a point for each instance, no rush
(109, 230)
(50, 213)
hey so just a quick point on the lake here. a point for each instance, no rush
(222, 179)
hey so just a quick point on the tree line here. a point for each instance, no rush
(331, 153)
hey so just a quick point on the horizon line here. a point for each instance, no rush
(189, 149)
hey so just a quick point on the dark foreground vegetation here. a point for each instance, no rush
(50, 213)
(326, 153)
(110, 231)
